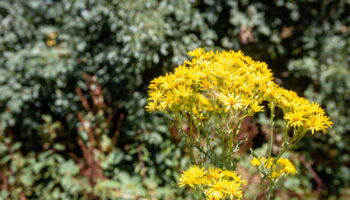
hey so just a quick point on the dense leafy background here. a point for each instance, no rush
(74, 75)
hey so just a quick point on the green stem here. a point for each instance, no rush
(203, 152)
(272, 188)
(233, 142)
(223, 141)
(272, 123)
(188, 140)
(297, 138)
(259, 188)
(229, 145)
(270, 192)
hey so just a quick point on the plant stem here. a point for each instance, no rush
(272, 123)
(187, 139)
(271, 189)
(259, 188)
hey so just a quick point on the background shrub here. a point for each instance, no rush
(74, 75)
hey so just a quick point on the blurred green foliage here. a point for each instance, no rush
(74, 75)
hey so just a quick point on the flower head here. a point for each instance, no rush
(193, 176)
(275, 168)
(295, 119)
(232, 83)
(217, 184)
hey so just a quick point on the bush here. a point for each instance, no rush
(74, 76)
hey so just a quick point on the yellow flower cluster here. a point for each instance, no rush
(226, 81)
(299, 112)
(281, 167)
(229, 82)
(216, 183)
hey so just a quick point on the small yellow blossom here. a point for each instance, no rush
(196, 53)
(214, 195)
(318, 122)
(193, 176)
(214, 173)
(256, 107)
(295, 119)
(151, 106)
(215, 183)
(231, 101)
(255, 162)
(276, 169)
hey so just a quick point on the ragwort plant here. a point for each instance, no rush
(209, 97)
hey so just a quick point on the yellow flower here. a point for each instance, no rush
(318, 122)
(170, 98)
(231, 101)
(215, 183)
(295, 119)
(156, 95)
(193, 176)
(256, 107)
(196, 53)
(214, 195)
(288, 166)
(151, 106)
(231, 174)
(234, 190)
(225, 189)
(281, 167)
(220, 185)
(255, 162)
(207, 55)
(183, 91)
(214, 173)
